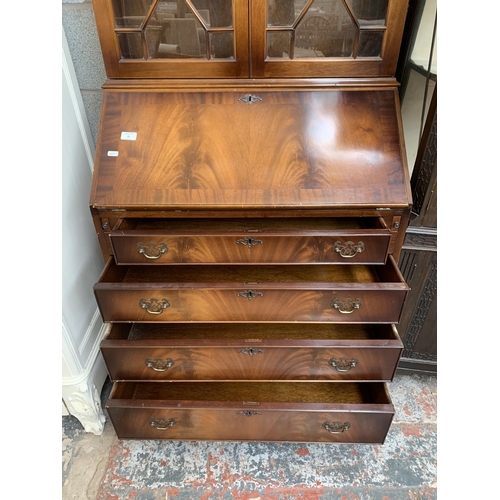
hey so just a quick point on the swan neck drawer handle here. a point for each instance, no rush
(249, 241)
(336, 427)
(152, 250)
(349, 249)
(346, 306)
(162, 424)
(159, 364)
(343, 365)
(154, 306)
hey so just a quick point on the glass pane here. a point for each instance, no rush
(326, 34)
(215, 13)
(278, 44)
(222, 45)
(165, 10)
(283, 12)
(370, 43)
(130, 13)
(182, 37)
(173, 30)
(327, 28)
(131, 45)
(204, 14)
(153, 35)
(369, 12)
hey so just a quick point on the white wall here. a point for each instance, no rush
(83, 371)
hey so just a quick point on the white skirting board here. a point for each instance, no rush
(81, 393)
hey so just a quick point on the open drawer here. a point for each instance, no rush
(349, 240)
(245, 411)
(265, 293)
(261, 351)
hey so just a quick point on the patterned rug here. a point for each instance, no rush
(403, 468)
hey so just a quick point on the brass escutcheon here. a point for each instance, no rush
(250, 99)
(249, 413)
(250, 294)
(251, 351)
(249, 241)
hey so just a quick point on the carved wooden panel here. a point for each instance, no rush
(418, 325)
(418, 262)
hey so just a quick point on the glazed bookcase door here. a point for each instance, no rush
(326, 38)
(174, 39)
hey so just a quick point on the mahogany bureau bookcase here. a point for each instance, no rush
(251, 196)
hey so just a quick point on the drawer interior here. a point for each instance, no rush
(251, 274)
(262, 392)
(252, 225)
(264, 331)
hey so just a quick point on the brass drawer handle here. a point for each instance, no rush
(162, 424)
(349, 249)
(249, 413)
(251, 351)
(249, 241)
(250, 294)
(346, 306)
(152, 250)
(159, 364)
(154, 306)
(343, 365)
(336, 427)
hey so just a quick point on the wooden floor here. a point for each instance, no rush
(405, 467)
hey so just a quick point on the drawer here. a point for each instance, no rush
(263, 351)
(252, 411)
(361, 240)
(265, 293)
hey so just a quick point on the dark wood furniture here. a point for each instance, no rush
(418, 261)
(417, 70)
(251, 225)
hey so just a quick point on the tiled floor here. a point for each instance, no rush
(106, 468)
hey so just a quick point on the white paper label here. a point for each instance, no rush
(128, 136)
(112, 153)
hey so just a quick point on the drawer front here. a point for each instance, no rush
(246, 248)
(252, 423)
(250, 304)
(250, 362)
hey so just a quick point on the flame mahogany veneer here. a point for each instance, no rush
(250, 282)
